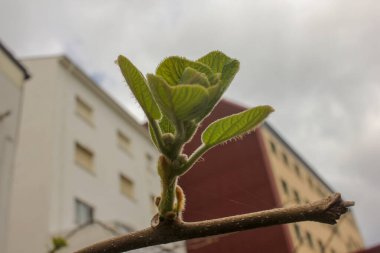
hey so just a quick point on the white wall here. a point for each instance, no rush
(11, 79)
(47, 179)
(35, 161)
(101, 189)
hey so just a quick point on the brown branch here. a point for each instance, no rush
(327, 210)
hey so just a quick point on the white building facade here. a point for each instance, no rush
(80, 158)
(12, 78)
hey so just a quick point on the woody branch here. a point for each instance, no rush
(327, 211)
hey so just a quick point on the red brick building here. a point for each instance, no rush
(375, 249)
(260, 171)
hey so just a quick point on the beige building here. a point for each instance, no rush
(80, 158)
(297, 183)
(12, 78)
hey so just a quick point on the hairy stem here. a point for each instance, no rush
(327, 211)
(167, 196)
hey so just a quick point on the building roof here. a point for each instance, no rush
(75, 70)
(15, 61)
(297, 155)
(81, 75)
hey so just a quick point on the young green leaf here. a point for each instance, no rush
(152, 134)
(215, 60)
(235, 125)
(139, 88)
(181, 102)
(228, 73)
(166, 126)
(227, 68)
(172, 68)
(191, 76)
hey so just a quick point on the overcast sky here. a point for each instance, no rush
(316, 62)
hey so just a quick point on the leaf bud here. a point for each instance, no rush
(168, 139)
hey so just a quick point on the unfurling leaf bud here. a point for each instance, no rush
(181, 160)
(191, 76)
(157, 201)
(168, 139)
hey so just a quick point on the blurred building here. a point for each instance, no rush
(12, 78)
(258, 172)
(374, 249)
(74, 163)
(80, 157)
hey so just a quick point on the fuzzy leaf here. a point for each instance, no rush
(228, 73)
(153, 136)
(139, 87)
(215, 60)
(166, 126)
(235, 125)
(181, 102)
(224, 66)
(191, 76)
(172, 68)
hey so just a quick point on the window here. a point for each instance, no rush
(273, 147)
(335, 230)
(84, 110)
(284, 186)
(351, 244)
(298, 233)
(310, 182)
(297, 169)
(149, 162)
(296, 196)
(309, 239)
(84, 157)
(126, 186)
(123, 142)
(321, 246)
(285, 159)
(83, 213)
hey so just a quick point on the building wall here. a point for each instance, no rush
(245, 176)
(11, 82)
(375, 249)
(232, 179)
(48, 179)
(38, 155)
(102, 189)
(296, 183)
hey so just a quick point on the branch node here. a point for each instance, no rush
(333, 208)
(155, 220)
